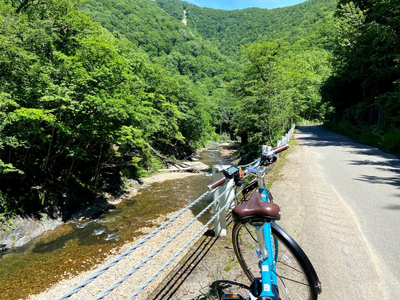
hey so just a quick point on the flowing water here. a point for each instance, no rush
(77, 246)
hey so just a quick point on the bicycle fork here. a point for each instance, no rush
(266, 286)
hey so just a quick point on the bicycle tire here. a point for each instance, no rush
(296, 275)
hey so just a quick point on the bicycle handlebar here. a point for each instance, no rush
(267, 156)
(279, 149)
(216, 183)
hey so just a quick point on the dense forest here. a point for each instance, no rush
(307, 25)
(96, 91)
(364, 86)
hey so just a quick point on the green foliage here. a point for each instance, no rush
(80, 101)
(343, 127)
(366, 72)
(390, 141)
(9, 209)
(194, 73)
(375, 135)
(165, 40)
(366, 58)
(271, 88)
(279, 85)
(308, 25)
(78, 106)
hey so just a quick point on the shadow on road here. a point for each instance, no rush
(317, 136)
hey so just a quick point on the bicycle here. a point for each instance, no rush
(272, 260)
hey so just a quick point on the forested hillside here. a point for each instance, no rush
(199, 69)
(285, 56)
(89, 89)
(308, 25)
(156, 33)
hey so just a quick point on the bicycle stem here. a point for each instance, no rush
(260, 179)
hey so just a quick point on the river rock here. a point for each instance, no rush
(24, 229)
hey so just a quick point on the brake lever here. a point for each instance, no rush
(254, 170)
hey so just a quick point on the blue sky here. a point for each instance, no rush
(240, 4)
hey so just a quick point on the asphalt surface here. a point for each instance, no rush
(368, 180)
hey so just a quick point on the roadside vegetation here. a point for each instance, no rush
(376, 135)
(364, 85)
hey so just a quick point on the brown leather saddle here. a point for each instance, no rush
(257, 210)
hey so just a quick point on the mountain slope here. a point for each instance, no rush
(309, 24)
(165, 40)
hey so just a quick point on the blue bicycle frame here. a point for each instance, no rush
(266, 253)
(268, 247)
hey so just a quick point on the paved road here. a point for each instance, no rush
(368, 180)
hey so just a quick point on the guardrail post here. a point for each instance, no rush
(220, 220)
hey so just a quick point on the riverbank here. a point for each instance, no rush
(26, 228)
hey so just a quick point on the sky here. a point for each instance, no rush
(241, 4)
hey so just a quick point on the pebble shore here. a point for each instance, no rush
(128, 287)
(135, 281)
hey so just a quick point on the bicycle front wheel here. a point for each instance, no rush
(296, 276)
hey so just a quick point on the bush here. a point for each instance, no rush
(391, 140)
(375, 135)
(342, 127)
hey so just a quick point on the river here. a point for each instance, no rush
(77, 246)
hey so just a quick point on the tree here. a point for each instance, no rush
(258, 117)
(78, 106)
(280, 83)
(366, 72)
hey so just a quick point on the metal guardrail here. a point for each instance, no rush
(223, 197)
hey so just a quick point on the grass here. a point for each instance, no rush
(232, 262)
(275, 174)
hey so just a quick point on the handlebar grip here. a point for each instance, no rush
(216, 183)
(280, 149)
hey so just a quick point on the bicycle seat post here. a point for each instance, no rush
(261, 175)
(261, 243)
